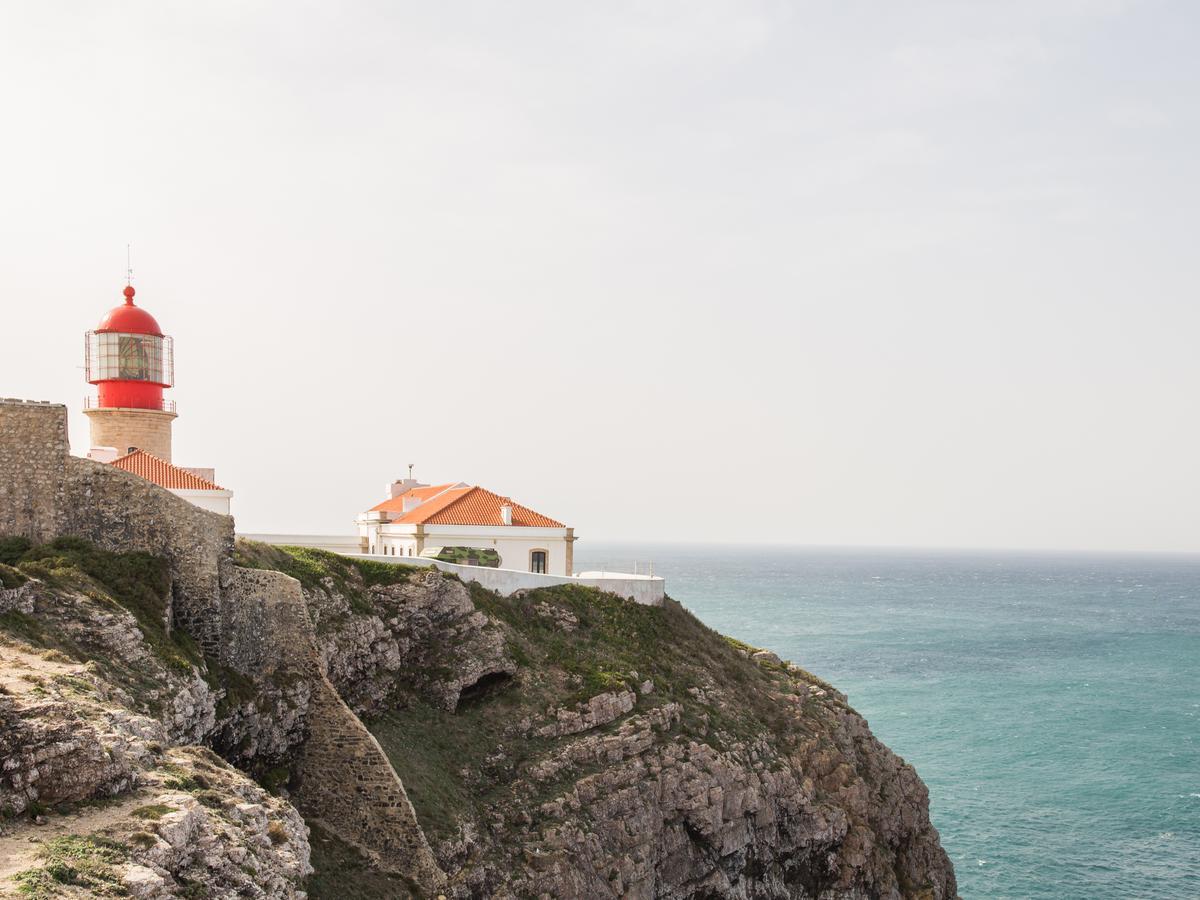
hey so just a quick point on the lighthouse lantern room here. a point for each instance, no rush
(130, 361)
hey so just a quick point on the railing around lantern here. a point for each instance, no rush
(164, 405)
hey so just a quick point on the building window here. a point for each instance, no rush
(537, 561)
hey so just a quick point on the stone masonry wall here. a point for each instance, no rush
(33, 444)
(343, 779)
(45, 492)
(120, 511)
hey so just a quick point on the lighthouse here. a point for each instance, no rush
(130, 361)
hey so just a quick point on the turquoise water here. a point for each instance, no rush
(1050, 703)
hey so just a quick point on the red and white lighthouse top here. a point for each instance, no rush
(129, 359)
(129, 319)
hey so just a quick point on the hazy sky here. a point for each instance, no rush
(832, 273)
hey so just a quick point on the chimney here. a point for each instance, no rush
(506, 511)
(403, 485)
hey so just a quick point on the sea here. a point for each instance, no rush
(1050, 702)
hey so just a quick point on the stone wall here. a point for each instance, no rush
(120, 511)
(258, 603)
(346, 783)
(45, 492)
(342, 777)
(33, 444)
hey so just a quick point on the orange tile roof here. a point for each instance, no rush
(396, 504)
(433, 506)
(163, 473)
(463, 506)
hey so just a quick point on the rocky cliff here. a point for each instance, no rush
(567, 743)
(560, 743)
(103, 789)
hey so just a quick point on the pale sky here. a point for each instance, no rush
(881, 273)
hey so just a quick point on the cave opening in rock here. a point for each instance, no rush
(482, 688)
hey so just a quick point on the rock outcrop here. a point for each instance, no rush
(92, 794)
(421, 635)
(631, 753)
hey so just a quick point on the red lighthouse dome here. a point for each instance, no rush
(129, 359)
(129, 318)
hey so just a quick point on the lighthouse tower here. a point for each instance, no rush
(130, 360)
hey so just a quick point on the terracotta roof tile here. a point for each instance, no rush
(396, 504)
(163, 473)
(474, 506)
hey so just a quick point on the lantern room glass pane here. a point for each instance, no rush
(129, 357)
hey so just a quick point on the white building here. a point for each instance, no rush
(458, 523)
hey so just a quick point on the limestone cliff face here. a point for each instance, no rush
(422, 636)
(607, 750)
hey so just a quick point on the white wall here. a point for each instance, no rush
(336, 543)
(639, 588)
(214, 501)
(513, 543)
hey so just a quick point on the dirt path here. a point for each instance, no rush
(19, 847)
(21, 668)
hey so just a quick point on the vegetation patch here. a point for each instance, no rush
(86, 863)
(137, 582)
(153, 812)
(340, 871)
(470, 556)
(276, 779)
(10, 577)
(352, 578)
(181, 779)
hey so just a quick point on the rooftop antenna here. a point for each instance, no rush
(128, 265)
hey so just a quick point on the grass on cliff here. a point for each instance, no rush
(456, 765)
(138, 582)
(340, 872)
(86, 864)
(311, 567)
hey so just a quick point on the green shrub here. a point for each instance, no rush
(154, 811)
(13, 548)
(10, 577)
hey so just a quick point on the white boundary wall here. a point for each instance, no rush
(645, 589)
